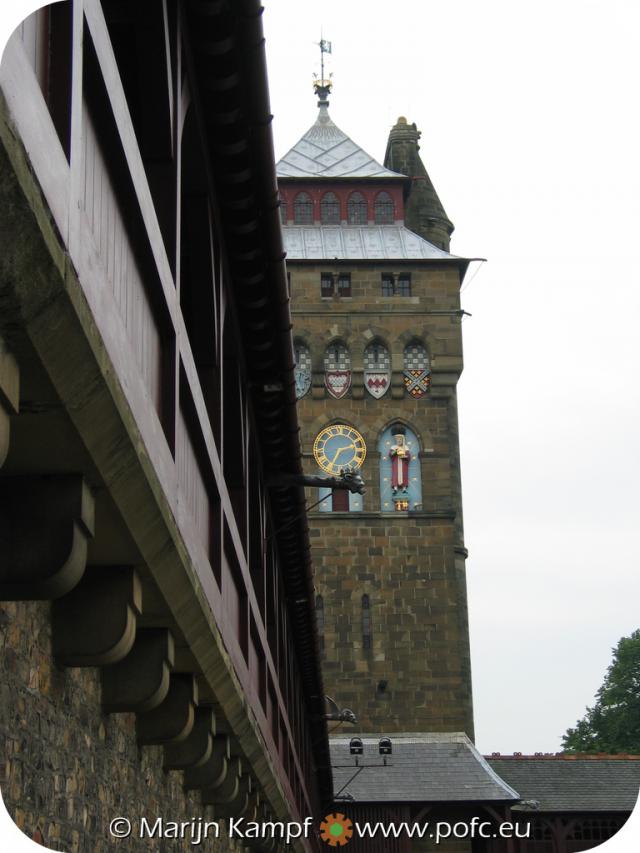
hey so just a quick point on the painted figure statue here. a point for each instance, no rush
(400, 458)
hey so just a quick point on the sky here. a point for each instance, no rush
(528, 113)
(530, 133)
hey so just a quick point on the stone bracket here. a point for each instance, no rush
(9, 397)
(172, 720)
(197, 748)
(235, 807)
(140, 681)
(227, 790)
(45, 523)
(214, 770)
(95, 624)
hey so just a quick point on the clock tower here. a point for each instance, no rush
(375, 299)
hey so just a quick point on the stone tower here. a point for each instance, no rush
(378, 347)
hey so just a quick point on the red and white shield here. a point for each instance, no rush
(338, 382)
(376, 383)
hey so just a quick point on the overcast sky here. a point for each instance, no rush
(530, 134)
(529, 120)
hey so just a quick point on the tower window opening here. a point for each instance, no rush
(366, 622)
(344, 284)
(320, 620)
(357, 209)
(326, 284)
(283, 211)
(339, 285)
(396, 285)
(383, 209)
(330, 209)
(303, 209)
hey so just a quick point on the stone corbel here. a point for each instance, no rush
(197, 748)
(172, 721)
(227, 790)
(236, 807)
(9, 397)
(140, 681)
(45, 524)
(252, 811)
(214, 770)
(95, 624)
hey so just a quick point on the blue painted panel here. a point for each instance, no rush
(413, 492)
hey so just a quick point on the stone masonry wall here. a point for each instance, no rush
(67, 769)
(411, 565)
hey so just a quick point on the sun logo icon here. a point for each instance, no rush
(336, 830)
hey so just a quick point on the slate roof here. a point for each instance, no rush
(425, 767)
(364, 242)
(569, 784)
(325, 151)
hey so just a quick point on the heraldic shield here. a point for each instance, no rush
(377, 383)
(337, 382)
(417, 382)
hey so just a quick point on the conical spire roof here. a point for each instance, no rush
(325, 151)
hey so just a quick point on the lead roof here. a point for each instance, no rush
(353, 242)
(325, 151)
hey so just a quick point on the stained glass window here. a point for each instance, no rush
(383, 209)
(357, 209)
(330, 209)
(303, 209)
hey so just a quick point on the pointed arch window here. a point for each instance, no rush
(400, 478)
(417, 371)
(377, 369)
(357, 209)
(302, 370)
(383, 209)
(330, 209)
(366, 622)
(337, 357)
(303, 209)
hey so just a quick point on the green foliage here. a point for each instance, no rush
(613, 724)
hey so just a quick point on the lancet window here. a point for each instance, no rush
(303, 209)
(330, 209)
(357, 212)
(383, 209)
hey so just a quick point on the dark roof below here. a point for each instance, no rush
(425, 767)
(573, 784)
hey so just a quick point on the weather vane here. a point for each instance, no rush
(322, 85)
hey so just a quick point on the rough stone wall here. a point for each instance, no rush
(412, 566)
(66, 768)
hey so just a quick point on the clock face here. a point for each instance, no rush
(339, 448)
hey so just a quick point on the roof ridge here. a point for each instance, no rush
(563, 756)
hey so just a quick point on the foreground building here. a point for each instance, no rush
(154, 557)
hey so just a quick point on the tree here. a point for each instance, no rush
(613, 724)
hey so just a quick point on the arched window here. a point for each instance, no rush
(357, 209)
(417, 373)
(366, 622)
(302, 370)
(377, 369)
(383, 209)
(400, 480)
(330, 209)
(303, 209)
(320, 620)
